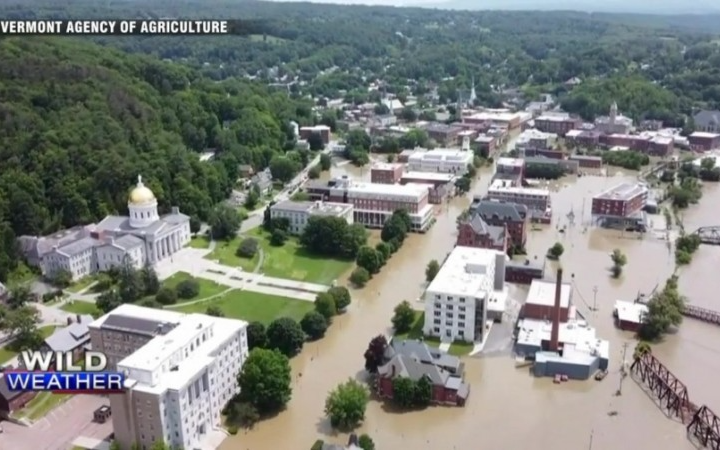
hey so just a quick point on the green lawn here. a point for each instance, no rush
(416, 332)
(293, 262)
(225, 253)
(80, 307)
(207, 288)
(22, 274)
(7, 353)
(42, 404)
(82, 284)
(252, 306)
(199, 242)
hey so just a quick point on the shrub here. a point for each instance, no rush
(188, 289)
(359, 277)
(278, 237)
(247, 248)
(166, 296)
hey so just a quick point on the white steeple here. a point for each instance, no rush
(473, 94)
(613, 112)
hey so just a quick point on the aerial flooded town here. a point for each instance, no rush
(442, 232)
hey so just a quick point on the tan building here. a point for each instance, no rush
(181, 371)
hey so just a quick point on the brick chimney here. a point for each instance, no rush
(555, 332)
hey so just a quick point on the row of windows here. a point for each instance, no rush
(448, 332)
(449, 314)
(449, 323)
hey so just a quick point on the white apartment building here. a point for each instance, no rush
(298, 213)
(179, 381)
(469, 289)
(441, 160)
(534, 198)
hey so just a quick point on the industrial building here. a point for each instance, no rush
(298, 213)
(569, 348)
(540, 302)
(374, 203)
(621, 206)
(181, 370)
(468, 291)
(629, 316)
(441, 160)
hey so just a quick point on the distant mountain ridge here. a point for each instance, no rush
(665, 7)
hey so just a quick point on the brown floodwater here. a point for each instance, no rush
(508, 408)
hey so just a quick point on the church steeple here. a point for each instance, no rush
(613, 112)
(473, 94)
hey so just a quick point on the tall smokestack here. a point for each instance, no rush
(555, 332)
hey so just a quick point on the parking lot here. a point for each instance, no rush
(59, 428)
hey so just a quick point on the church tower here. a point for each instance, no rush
(142, 206)
(473, 94)
(613, 112)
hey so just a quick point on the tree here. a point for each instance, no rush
(325, 305)
(325, 162)
(314, 172)
(375, 353)
(130, 284)
(332, 236)
(150, 280)
(315, 141)
(369, 259)
(641, 349)
(22, 324)
(359, 277)
(463, 185)
(384, 249)
(257, 336)
(278, 237)
(248, 248)
(286, 335)
(241, 413)
(665, 311)
(188, 289)
(345, 406)
(166, 296)
(403, 389)
(160, 445)
(365, 442)
(404, 317)
(252, 198)
(283, 168)
(265, 379)
(314, 325)
(224, 222)
(62, 278)
(423, 392)
(432, 270)
(556, 251)
(108, 300)
(19, 297)
(619, 260)
(342, 297)
(215, 311)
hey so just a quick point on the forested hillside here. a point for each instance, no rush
(79, 122)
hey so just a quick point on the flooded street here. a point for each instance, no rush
(508, 408)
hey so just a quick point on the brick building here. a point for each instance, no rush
(441, 185)
(386, 173)
(475, 232)
(557, 123)
(443, 134)
(512, 216)
(629, 316)
(12, 401)
(702, 141)
(587, 162)
(583, 138)
(540, 302)
(322, 130)
(623, 200)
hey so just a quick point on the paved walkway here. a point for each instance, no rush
(192, 261)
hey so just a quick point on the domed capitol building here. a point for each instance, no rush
(141, 238)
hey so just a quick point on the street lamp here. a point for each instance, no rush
(595, 291)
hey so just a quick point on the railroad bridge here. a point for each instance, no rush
(671, 395)
(709, 235)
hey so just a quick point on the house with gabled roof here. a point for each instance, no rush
(75, 337)
(415, 359)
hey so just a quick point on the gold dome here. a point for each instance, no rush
(141, 194)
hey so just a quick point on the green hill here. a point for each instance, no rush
(79, 122)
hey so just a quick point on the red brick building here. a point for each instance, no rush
(415, 360)
(702, 141)
(587, 162)
(523, 273)
(322, 130)
(650, 145)
(386, 173)
(629, 316)
(583, 138)
(623, 200)
(443, 134)
(12, 401)
(474, 232)
(514, 217)
(485, 144)
(540, 302)
(559, 124)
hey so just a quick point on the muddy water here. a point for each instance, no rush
(509, 409)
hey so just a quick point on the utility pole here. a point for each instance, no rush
(623, 374)
(591, 439)
(595, 291)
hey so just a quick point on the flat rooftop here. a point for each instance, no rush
(500, 116)
(386, 166)
(442, 154)
(511, 162)
(630, 311)
(163, 354)
(623, 191)
(399, 190)
(580, 339)
(313, 208)
(555, 117)
(503, 186)
(135, 313)
(433, 176)
(543, 293)
(467, 271)
(704, 135)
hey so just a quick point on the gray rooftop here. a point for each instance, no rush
(5, 392)
(136, 325)
(121, 224)
(127, 242)
(493, 209)
(480, 227)
(71, 337)
(707, 118)
(79, 246)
